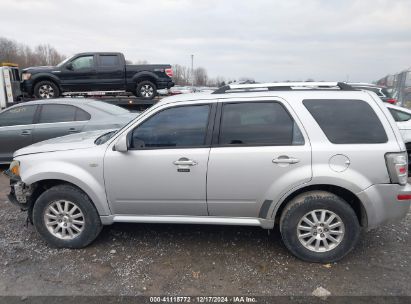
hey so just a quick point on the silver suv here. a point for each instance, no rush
(321, 160)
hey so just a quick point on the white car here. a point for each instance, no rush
(403, 118)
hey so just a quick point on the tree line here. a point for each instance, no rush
(44, 54)
(25, 56)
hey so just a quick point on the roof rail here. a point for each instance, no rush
(284, 86)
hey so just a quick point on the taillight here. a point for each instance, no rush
(392, 101)
(397, 165)
(169, 72)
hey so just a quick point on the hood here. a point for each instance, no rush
(70, 142)
(39, 69)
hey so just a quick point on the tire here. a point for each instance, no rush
(146, 90)
(46, 89)
(301, 206)
(87, 214)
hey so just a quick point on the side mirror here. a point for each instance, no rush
(69, 66)
(121, 145)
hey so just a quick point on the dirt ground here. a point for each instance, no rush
(143, 259)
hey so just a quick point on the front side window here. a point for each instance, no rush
(23, 115)
(84, 62)
(184, 126)
(347, 121)
(57, 113)
(258, 123)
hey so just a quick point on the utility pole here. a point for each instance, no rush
(192, 71)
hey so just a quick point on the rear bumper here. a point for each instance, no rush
(164, 84)
(381, 204)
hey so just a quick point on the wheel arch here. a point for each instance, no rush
(345, 194)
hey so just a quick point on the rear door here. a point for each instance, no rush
(56, 120)
(16, 130)
(258, 153)
(110, 72)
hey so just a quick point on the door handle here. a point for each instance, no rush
(25, 132)
(285, 160)
(72, 130)
(185, 162)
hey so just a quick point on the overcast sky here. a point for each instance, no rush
(268, 40)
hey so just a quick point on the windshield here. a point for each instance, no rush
(108, 108)
(64, 61)
(105, 137)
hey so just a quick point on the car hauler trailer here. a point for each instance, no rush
(9, 84)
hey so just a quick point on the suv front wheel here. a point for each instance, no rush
(318, 226)
(65, 217)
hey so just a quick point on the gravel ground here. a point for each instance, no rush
(143, 259)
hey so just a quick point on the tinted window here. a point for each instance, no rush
(57, 113)
(399, 115)
(347, 121)
(265, 123)
(82, 115)
(174, 127)
(18, 116)
(109, 60)
(84, 62)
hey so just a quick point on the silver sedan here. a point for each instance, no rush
(34, 121)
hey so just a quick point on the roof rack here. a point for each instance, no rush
(283, 86)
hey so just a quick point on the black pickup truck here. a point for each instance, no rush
(89, 72)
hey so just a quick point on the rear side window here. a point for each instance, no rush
(347, 121)
(258, 123)
(109, 60)
(57, 113)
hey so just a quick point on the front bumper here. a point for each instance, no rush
(381, 204)
(26, 86)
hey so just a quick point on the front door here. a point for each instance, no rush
(164, 170)
(79, 74)
(16, 130)
(258, 153)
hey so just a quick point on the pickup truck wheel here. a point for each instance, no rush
(146, 90)
(65, 217)
(318, 226)
(46, 89)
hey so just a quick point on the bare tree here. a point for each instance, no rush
(24, 56)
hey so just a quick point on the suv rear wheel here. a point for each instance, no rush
(318, 226)
(65, 217)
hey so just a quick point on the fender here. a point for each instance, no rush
(45, 76)
(74, 174)
(342, 182)
(144, 74)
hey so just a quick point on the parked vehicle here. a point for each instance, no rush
(181, 90)
(381, 92)
(97, 72)
(403, 118)
(30, 122)
(321, 162)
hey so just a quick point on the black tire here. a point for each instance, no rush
(146, 90)
(304, 203)
(46, 89)
(92, 223)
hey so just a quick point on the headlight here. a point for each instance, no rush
(25, 76)
(15, 168)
